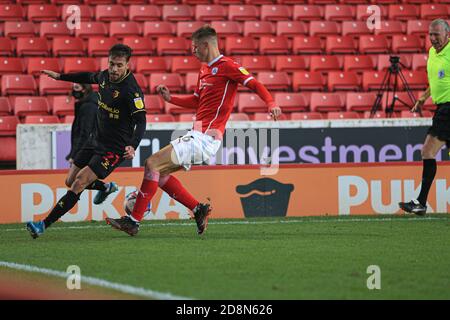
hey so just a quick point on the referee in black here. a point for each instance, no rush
(438, 69)
(120, 127)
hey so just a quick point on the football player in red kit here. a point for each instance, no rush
(213, 100)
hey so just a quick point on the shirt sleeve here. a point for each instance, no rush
(238, 73)
(197, 88)
(80, 77)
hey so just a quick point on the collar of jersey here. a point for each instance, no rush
(121, 79)
(215, 60)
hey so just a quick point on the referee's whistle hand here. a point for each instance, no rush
(418, 105)
(129, 153)
(51, 74)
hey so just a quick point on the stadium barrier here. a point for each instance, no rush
(238, 191)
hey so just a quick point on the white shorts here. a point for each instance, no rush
(195, 148)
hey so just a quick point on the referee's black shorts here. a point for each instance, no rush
(441, 123)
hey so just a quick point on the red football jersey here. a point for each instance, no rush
(216, 89)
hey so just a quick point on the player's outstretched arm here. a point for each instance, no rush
(80, 77)
(265, 95)
(189, 102)
(51, 74)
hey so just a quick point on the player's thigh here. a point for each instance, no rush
(73, 171)
(102, 164)
(84, 178)
(164, 161)
(431, 147)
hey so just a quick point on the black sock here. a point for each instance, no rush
(64, 204)
(428, 174)
(97, 185)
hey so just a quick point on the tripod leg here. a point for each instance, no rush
(378, 101)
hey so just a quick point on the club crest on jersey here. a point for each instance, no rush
(243, 71)
(214, 70)
(138, 103)
(441, 73)
(115, 94)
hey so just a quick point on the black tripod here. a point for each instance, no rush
(387, 86)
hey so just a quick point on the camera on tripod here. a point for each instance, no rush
(390, 83)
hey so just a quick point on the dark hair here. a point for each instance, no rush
(204, 32)
(120, 50)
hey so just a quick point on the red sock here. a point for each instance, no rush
(172, 186)
(148, 190)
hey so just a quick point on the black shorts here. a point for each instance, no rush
(101, 162)
(441, 123)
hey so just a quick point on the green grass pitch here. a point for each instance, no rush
(293, 258)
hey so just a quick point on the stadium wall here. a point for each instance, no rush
(238, 191)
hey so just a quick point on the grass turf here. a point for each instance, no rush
(295, 258)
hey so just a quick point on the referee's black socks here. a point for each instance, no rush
(64, 204)
(428, 174)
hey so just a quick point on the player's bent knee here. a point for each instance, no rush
(69, 182)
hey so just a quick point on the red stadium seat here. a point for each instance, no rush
(173, 81)
(145, 13)
(142, 82)
(43, 12)
(406, 43)
(149, 65)
(355, 28)
(41, 119)
(258, 28)
(265, 116)
(251, 102)
(68, 119)
(122, 29)
(185, 64)
(390, 28)
(191, 81)
(376, 115)
(238, 116)
(68, 46)
(324, 28)
(373, 44)
(5, 107)
(35, 65)
(384, 61)
(9, 149)
(32, 47)
(417, 27)
(49, 86)
(307, 12)
(178, 12)
(257, 63)
(291, 28)
(160, 118)
(186, 117)
(419, 61)
(240, 45)
(227, 28)
(372, 80)
(402, 12)
(24, 106)
(108, 12)
(303, 80)
(362, 13)
(343, 115)
(347, 80)
(14, 29)
(335, 12)
(79, 64)
(275, 12)
(153, 103)
(399, 105)
(292, 102)
(210, 12)
(304, 45)
(50, 30)
(156, 29)
(85, 11)
(274, 45)
(417, 80)
(99, 47)
(11, 65)
(91, 29)
(172, 46)
(243, 12)
(290, 63)
(409, 114)
(62, 105)
(6, 47)
(275, 80)
(360, 101)
(326, 102)
(187, 28)
(324, 63)
(433, 11)
(358, 63)
(96, 2)
(11, 12)
(341, 44)
(8, 125)
(139, 45)
(173, 109)
(306, 116)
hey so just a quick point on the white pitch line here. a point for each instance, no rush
(124, 288)
(246, 222)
